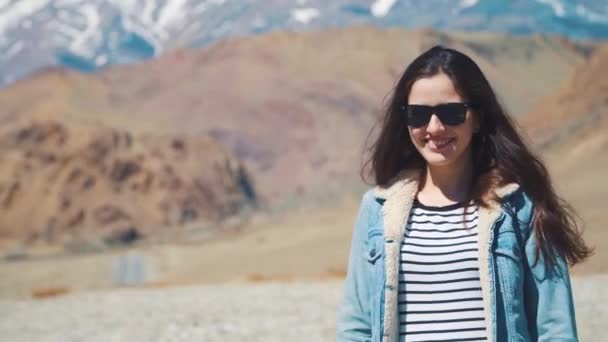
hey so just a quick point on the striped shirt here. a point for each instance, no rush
(439, 289)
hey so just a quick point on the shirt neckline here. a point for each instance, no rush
(448, 207)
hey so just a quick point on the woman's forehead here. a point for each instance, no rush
(433, 90)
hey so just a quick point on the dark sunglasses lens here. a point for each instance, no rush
(418, 115)
(452, 113)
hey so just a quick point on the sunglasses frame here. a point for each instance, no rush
(440, 115)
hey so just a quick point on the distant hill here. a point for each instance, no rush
(578, 110)
(278, 119)
(62, 181)
(570, 127)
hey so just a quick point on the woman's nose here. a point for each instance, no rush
(435, 125)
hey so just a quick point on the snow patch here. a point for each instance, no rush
(590, 15)
(18, 11)
(556, 5)
(101, 60)
(380, 8)
(81, 44)
(174, 11)
(3, 3)
(26, 24)
(13, 49)
(304, 15)
(468, 3)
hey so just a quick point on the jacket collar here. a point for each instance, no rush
(399, 195)
(407, 181)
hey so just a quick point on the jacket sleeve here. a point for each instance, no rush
(548, 296)
(354, 318)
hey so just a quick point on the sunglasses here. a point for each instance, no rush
(451, 114)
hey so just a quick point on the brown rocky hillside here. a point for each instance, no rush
(62, 181)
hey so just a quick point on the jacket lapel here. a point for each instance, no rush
(398, 202)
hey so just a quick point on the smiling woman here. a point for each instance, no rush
(442, 133)
(463, 237)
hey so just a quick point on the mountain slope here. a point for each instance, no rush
(62, 181)
(579, 108)
(295, 108)
(570, 127)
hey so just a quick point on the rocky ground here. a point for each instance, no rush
(245, 312)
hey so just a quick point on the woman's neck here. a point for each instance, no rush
(444, 185)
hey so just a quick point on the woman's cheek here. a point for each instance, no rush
(417, 136)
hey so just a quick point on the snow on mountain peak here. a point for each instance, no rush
(82, 41)
(380, 8)
(18, 11)
(468, 3)
(591, 16)
(556, 5)
(305, 15)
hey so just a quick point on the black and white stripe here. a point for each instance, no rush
(439, 288)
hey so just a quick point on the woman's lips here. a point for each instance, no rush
(437, 145)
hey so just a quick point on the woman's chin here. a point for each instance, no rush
(438, 161)
(439, 157)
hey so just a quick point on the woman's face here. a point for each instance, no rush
(440, 144)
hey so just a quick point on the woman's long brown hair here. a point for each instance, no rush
(500, 155)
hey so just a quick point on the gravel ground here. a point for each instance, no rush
(257, 312)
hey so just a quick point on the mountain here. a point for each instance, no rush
(571, 128)
(294, 108)
(63, 181)
(195, 136)
(90, 34)
(577, 111)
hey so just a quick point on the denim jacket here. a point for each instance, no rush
(522, 300)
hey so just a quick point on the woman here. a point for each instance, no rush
(464, 237)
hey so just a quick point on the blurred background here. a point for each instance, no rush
(190, 170)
